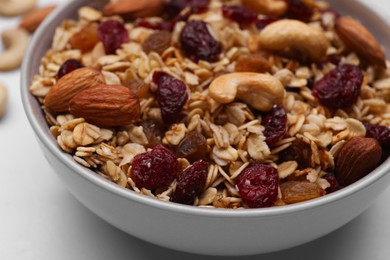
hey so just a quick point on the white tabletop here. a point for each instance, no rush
(40, 219)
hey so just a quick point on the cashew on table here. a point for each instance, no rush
(15, 43)
(16, 7)
(260, 91)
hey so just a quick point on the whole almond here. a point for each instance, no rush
(34, 18)
(57, 100)
(358, 157)
(359, 39)
(106, 105)
(122, 7)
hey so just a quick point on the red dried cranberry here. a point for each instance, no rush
(113, 34)
(334, 184)
(380, 132)
(193, 147)
(171, 95)
(258, 185)
(275, 123)
(190, 183)
(155, 169)
(68, 66)
(299, 10)
(240, 14)
(339, 88)
(261, 23)
(197, 42)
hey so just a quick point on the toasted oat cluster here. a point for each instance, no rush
(222, 104)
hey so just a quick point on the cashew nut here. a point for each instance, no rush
(294, 37)
(16, 7)
(15, 43)
(267, 7)
(261, 91)
(3, 99)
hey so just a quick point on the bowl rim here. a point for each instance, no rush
(44, 137)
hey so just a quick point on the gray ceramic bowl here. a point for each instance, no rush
(200, 230)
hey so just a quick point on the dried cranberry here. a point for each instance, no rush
(174, 7)
(193, 147)
(154, 169)
(197, 42)
(380, 132)
(190, 183)
(299, 151)
(68, 66)
(339, 88)
(113, 34)
(299, 10)
(240, 14)
(334, 184)
(171, 95)
(261, 23)
(334, 59)
(275, 123)
(258, 185)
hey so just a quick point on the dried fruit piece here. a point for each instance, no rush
(299, 191)
(253, 63)
(297, 9)
(85, 39)
(171, 95)
(334, 184)
(154, 132)
(174, 7)
(68, 66)
(258, 185)
(261, 23)
(300, 152)
(193, 147)
(157, 42)
(275, 123)
(138, 87)
(358, 157)
(106, 105)
(190, 183)
(340, 88)
(240, 14)
(113, 34)
(198, 43)
(154, 169)
(380, 132)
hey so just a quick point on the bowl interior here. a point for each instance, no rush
(373, 17)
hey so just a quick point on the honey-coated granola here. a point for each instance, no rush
(225, 104)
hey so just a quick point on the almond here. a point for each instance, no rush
(57, 100)
(122, 7)
(358, 157)
(359, 39)
(106, 105)
(34, 18)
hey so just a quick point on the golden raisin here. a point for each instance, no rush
(157, 42)
(253, 63)
(297, 191)
(86, 39)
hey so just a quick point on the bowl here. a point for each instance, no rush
(201, 230)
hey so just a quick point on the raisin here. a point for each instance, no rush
(380, 132)
(340, 88)
(154, 132)
(197, 42)
(157, 42)
(190, 183)
(261, 23)
(299, 191)
(155, 169)
(86, 39)
(193, 147)
(240, 14)
(299, 10)
(171, 95)
(298, 151)
(68, 66)
(113, 34)
(258, 185)
(275, 123)
(174, 7)
(253, 63)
